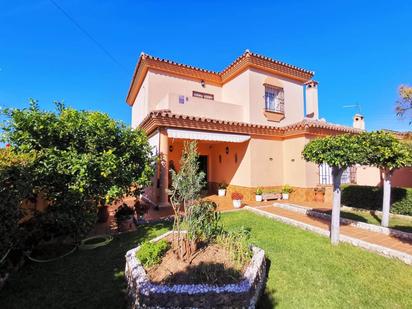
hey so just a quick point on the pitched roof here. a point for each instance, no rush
(239, 65)
(169, 119)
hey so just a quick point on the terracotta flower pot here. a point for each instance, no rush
(319, 197)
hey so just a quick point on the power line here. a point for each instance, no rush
(87, 34)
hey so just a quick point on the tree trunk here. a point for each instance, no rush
(386, 205)
(335, 222)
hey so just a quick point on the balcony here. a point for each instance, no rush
(199, 107)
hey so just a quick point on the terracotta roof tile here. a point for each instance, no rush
(147, 56)
(247, 59)
(304, 124)
(249, 53)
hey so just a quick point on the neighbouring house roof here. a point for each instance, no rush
(245, 61)
(405, 135)
(165, 118)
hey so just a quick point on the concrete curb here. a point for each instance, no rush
(384, 251)
(376, 212)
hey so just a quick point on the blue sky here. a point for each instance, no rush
(360, 50)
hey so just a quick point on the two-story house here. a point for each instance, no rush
(251, 121)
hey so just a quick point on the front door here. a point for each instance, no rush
(203, 168)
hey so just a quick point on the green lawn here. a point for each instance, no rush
(305, 272)
(365, 216)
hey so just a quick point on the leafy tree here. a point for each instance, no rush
(83, 159)
(339, 152)
(185, 190)
(15, 186)
(388, 154)
(404, 104)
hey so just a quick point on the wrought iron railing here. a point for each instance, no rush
(277, 106)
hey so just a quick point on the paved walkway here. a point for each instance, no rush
(373, 241)
(391, 242)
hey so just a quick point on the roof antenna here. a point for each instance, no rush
(356, 105)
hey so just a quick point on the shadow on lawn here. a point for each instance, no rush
(85, 279)
(267, 299)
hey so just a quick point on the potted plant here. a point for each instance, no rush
(237, 199)
(222, 189)
(258, 194)
(286, 189)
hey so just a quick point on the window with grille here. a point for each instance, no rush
(274, 99)
(325, 175)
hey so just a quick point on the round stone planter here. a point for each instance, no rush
(143, 293)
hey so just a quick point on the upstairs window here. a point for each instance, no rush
(203, 95)
(274, 99)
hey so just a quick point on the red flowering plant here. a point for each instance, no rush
(237, 196)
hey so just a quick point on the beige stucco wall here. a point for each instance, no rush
(241, 99)
(368, 176)
(266, 162)
(230, 171)
(294, 167)
(162, 84)
(140, 107)
(227, 170)
(238, 91)
(261, 162)
(293, 98)
(194, 106)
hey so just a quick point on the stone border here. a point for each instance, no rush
(376, 212)
(362, 225)
(384, 251)
(145, 294)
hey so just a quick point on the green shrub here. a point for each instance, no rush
(369, 197)
(151, 253)
(83, 159)
(203, 221)
(15, 186)
(237, 243)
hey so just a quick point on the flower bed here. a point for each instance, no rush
(144, 293)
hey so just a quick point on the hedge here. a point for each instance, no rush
(369, 197)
